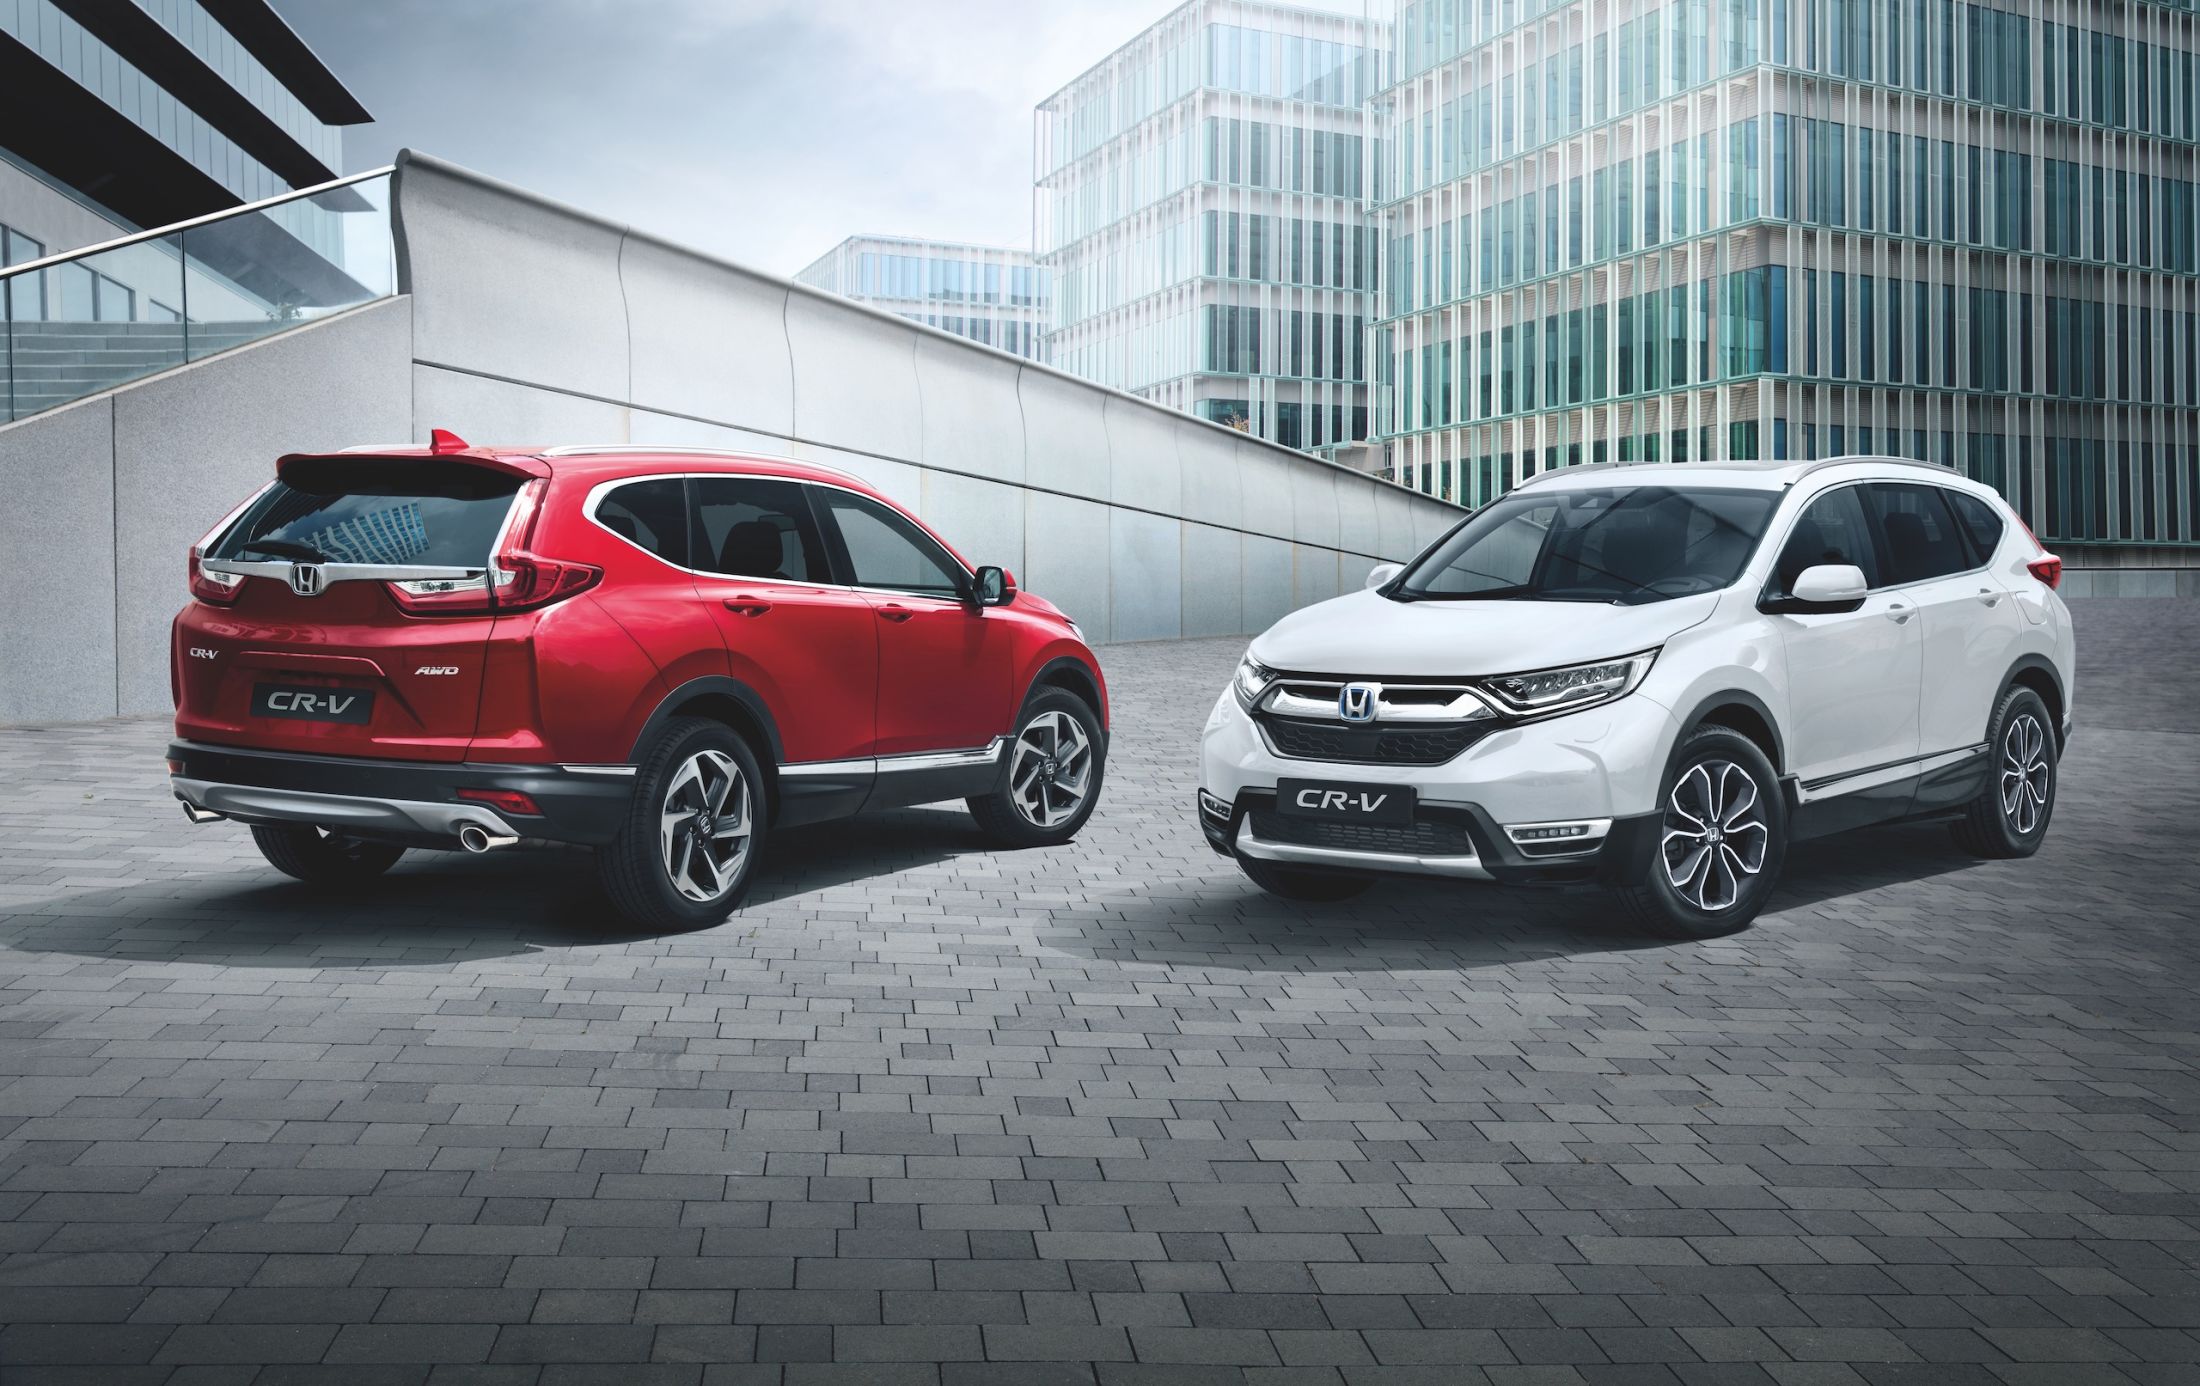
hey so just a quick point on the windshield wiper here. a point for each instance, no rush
(1486, 594)
(284, 548)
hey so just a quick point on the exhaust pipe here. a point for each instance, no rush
(477, 839)
(192, 813)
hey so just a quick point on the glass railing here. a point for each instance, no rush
(92, 319)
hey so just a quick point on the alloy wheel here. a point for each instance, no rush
(1050, 770)
(1716, 836)
(2025, 773)
(705, 824)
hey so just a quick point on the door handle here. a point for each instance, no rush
(747, 606)
(896, 614)
(1989, 596)
(1898, 613)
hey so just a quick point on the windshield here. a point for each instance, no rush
(375, 510)
(1624, 544)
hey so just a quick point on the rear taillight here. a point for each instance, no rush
(218, 588)
(2047, 567)
(518, 579)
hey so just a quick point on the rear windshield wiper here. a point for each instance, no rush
(284, 548)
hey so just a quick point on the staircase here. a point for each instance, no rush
(48, 364)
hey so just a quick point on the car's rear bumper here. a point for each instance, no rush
(401, 801)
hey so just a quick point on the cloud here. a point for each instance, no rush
(761, 130)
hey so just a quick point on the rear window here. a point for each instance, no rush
(373, 510)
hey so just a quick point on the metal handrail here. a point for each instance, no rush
(160, 233)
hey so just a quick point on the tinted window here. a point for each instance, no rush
(652, 514)
(1832, 530)
(1920, 533)
(884, 549)
(375, 510)
(748, 526)
(1627, 544)
(1981, 521)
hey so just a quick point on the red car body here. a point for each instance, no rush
(538, 685)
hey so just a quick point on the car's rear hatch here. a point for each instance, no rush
(356, 613)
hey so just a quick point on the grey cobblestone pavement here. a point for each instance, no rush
(924, 1113)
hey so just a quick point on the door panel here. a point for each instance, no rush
(1968, 616)
(811, 651)
(1853, 677)
(945, 665)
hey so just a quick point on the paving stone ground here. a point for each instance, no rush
(925, 1113)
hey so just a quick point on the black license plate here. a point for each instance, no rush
(355, 705)
(1351, 803)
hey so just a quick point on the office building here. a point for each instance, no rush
(989, 294)
(1202, 203)
(1640, 232)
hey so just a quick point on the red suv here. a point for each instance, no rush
(658, 653)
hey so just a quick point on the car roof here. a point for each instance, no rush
(610, 459)
(1769, 475)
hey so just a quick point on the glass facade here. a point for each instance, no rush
(1641, 232)
(986, 293)
(1202, 200)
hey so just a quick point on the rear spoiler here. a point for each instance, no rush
(444, 447)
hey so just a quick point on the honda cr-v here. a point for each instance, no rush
(1655, 678)
(660, 654)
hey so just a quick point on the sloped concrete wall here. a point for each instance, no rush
(537, 323)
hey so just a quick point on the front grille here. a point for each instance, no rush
(1421, 839)
(1370, 745)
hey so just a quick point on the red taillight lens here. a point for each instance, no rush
(510, 800)
(519, 580)
(219, 588)
(2047, 568)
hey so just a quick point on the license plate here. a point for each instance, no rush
(355, 705)
(1352, 803)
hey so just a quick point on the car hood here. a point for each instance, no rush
(1367, 634)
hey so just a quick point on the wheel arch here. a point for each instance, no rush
(725, 700)
(1073, 675)
(2037, 672)
(1744, 713)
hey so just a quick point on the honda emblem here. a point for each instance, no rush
(307, 580)
(1357, 701)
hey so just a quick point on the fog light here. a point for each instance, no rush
(1580, 830)
(510, 800)
(1213, 809)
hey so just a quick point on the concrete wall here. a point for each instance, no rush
(526, 322)
(534, 322)
(105, 497)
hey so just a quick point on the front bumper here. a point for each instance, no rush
(1597, 771)
(412, 802)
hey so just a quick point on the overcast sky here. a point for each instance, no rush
(761, 130)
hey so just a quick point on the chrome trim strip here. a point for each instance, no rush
(258, 804)
(1464, 706)
(800, 769)
(1467, 868)
(1874, 776)
(988, 754)
(600, 769)
(280, 570)
(1598, 829)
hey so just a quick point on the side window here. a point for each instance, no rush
(1981, 521)
(1919, 530)
(1832, 530)
(747, 526)
(883, 549)
(650, 514)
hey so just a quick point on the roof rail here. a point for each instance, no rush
(691, 450)
(1824, 462)
(1572, 471)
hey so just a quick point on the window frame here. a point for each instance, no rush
(1773, 590)
(1872, 518)
(802, 499)
(836, 547)
(594, 504)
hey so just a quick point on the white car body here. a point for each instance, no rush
(1872, 714)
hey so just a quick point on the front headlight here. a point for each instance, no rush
(1547, 691)
(1251, 680)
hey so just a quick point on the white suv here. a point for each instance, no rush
(1654, 678)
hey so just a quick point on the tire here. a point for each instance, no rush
(323, 858)
(1302, 883)
(2010, 815)
(1690, 896)
(693, 833)
(1057, 761)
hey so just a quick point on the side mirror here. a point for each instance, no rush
(1382, 573)
(991, 586)
(1824, 587)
